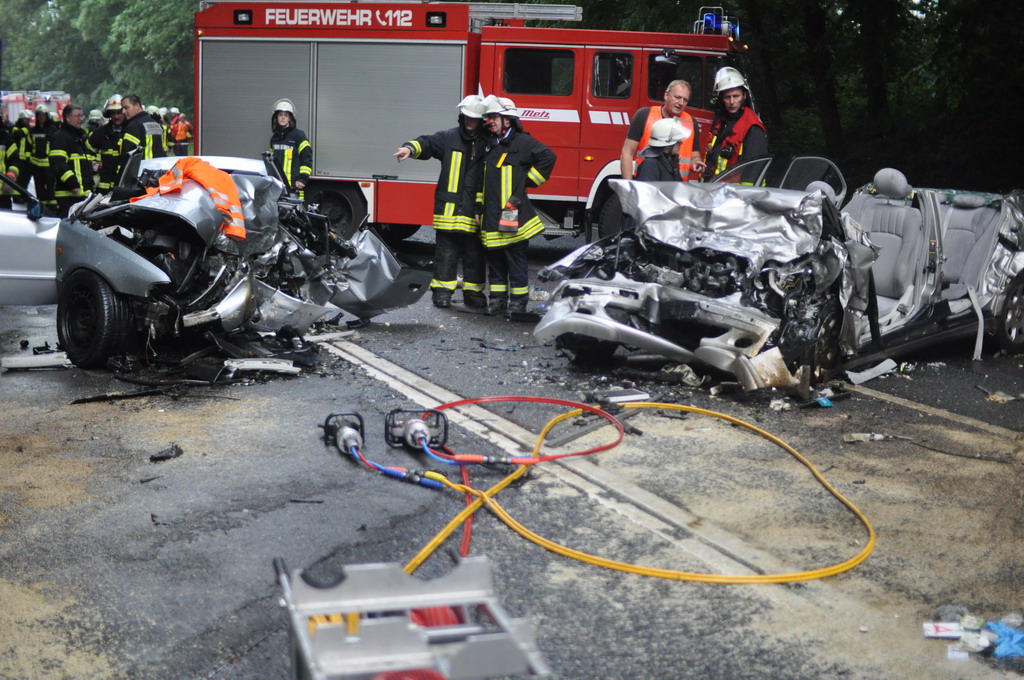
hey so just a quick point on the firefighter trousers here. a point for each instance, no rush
(451, 247)
(508, 273)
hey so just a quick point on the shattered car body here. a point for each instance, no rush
(777, 287)
(161, 266)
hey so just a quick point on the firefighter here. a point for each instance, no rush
(677, 96)
(140, 132)
(8, 159)
(42, 133)
(181, 132)
(20, 163)
(514, 160)
(737, 133)
(456, 232)
(662, 152)
(293, 154)
(71, 160)
(94, 121)
(106, 141)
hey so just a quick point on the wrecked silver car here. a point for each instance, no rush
(133, 269)
(760, 276)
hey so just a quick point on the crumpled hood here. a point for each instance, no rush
(748, 221)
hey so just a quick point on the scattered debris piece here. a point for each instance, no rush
(173, 451)
(24, 344)
(328, 337)
(853, 437)
(118, 396)
(858, 377)
(286, 366)
(618, 395)
(998, 396)
(48, 360)
(943, 629)
(1010, 641)
(44, 349)
(780, 405)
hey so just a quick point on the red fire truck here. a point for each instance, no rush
(367, 76)
(14, 102)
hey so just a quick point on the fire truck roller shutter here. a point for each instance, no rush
(239, 83)
(373, 96)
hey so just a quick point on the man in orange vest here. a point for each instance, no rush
(677, 96)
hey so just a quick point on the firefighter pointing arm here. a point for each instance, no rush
(456, 232)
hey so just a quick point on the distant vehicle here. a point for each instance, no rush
(130, 275)
(366, 77)
(16, 101)
(760, 276)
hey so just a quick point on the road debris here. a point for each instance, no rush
(41, 360)
(853, 437)
(173, 451)
(859, 377)
(998, 396)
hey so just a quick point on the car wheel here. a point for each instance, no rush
(343, 205)
(94, 322)
(609, 220)
(1010, 324)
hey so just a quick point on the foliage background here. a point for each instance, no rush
(932, 87)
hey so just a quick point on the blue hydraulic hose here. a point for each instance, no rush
(427, 450)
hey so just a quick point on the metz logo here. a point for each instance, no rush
(536, 114)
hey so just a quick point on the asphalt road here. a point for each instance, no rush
(115, 566)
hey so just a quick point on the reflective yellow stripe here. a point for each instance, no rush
(506, 184)
(499, 288)
(288, 166)
(444, 285)
(455, 171)
(500, 239)
(416, 148)
(536, 177)
(520, 290)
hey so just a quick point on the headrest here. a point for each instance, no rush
(968, 201)
(823, 187)
(892, 183)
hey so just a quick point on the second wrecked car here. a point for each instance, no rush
(776, 287)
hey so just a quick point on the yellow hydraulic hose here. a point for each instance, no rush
(487, 498)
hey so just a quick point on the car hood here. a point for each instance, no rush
(757, 223)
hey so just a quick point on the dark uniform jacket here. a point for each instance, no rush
(659, 167)
(71, 162)
(106, 140)
(41, 136)
(8, 153)
(22, 136)
(462, 157)
(513, 163)
(293, 155)
(141, 131)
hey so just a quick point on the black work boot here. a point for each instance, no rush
(474, 299)
(442, 298)
(496, 306)
(517, 306)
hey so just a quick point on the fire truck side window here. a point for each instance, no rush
(662, 71)
(536, 71)
(613, 75)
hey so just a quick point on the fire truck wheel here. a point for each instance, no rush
(609, 220)
(343, 205)
(392, 234)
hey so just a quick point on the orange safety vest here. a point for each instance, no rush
(685, 149)
(218, 185)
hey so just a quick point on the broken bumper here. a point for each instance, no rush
(614, 311)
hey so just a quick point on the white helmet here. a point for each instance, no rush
(26, 114)
(284, 105)
(175, 111)
(163, 111)
(152, 110)
(666, 132)
(502, 105)
(728, 78)
(113, 104)
(472, 106)
(95, 114)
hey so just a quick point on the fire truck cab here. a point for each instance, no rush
(366, 77)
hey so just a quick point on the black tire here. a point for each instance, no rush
(342, 204)
(609, 220)
(94, 322)
(1010, 322)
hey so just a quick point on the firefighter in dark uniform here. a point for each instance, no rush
(140, 132)
(71, 160)
(8, 160)
(42, 133)
(20, 163)
(456, 231)
(514, 161)
(106, 140)
(293, 154)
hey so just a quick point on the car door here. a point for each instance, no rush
(27, 251)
